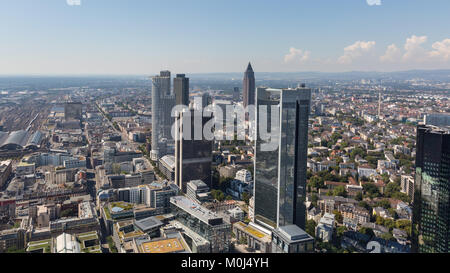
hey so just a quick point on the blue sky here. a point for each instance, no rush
(196, 36)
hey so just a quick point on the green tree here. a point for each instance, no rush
(340, 191)
(246, 197)
(371, 190)
(310, 228)
(367, 231)
(387, 236)
(340, 231)
(384, 204)
(339, 218)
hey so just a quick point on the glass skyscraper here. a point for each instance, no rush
(431, 208)
(280, 167)
(163, 100)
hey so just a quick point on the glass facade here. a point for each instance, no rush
(217, 232)
(431, 209)
(280, 173)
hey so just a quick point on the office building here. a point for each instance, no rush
(5, 171)
(236, 94)
(193, 154)
(249, 86)
(198, 191)
(181, 89)
(431, 208)
(206, 100)
(204, 222)
(324, 229)
(167, 166)
(163, 100)
(280, 162)
(291, 239)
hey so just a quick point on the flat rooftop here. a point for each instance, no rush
(148, 223)
(196, 210)
(293, 233)
(163, 246)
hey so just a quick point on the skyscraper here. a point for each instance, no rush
(206, 100)
(236, 94)
(280, 168)
(431, 207)
(181, 89)
(249, 86)
(162, 103)
(193, 154)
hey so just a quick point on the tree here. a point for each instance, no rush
(365, 205)
(339, 218)
(246, 197)
(379, 221)
(391, 189)
(340, 231)
(389, 223)
(371, 190)
(314, 199)
(359, 196)
(317, 182)
(384, 204)
(112, 246)
(387, 236)
(218, 195)
(367, 231)
(340, 191)
(310, 228)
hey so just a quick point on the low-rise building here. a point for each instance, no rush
(291, 239)
(256, 238)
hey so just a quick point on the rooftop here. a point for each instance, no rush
(148, 223)
(293, 233)
(163, 246)
(196, 210)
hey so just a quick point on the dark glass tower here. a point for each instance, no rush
(249, 86)
(280, 168)
(181, 89)
(431, 208)
(193, 156)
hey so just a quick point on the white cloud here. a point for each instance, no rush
(374, 2)
(441, 50)
(413, 48)
(391, 55)
(296, 55)
(355, 51)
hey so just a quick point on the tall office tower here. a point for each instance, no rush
(431, 207)
(280, 163)
(236, 94)
(206, 100)
(181, 89)
(249, 86)
(193, 153)
(73, 110)
(163, 101)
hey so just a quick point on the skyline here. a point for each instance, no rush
(101, 38)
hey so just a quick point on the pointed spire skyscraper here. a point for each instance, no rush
(249, 86)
